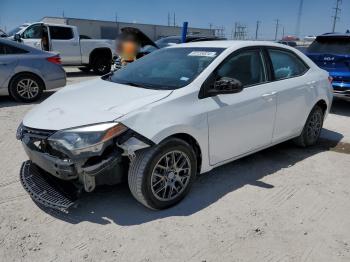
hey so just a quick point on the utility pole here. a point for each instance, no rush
(300, 12)
(336, 15)
(257, 29)
(174, 19)
(116, 17)
(283, 33)
(277, 26)
(168, 18)
(63, 13)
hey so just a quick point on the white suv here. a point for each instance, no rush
(173, 114)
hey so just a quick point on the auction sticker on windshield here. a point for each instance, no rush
(202, 53)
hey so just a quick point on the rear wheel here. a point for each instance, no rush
(101, 65)
(161, 176)
(312, 128)
(26, 88)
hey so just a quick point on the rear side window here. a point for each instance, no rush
(330, 45)
(61, 33)
(286, 64)
(246, 66)
(11, 50)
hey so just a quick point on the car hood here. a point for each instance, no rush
(90, 102)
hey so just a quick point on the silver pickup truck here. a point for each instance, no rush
(95, 54)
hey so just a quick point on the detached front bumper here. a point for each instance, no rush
(46, 190)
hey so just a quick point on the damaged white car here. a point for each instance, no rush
(173, 114)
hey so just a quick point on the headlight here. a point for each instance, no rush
(86, 138)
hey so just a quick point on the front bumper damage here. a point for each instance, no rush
(56, 180)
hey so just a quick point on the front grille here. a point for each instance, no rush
(44, 190)
(36, 133)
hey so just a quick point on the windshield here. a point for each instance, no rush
(168, 68)
(14, 31)
(330, 45)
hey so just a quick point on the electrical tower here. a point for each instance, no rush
(336, 15)
(257, 29)
(277, 27)
(300, 12)
(240, 32)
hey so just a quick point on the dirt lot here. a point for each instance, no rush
(282, 204)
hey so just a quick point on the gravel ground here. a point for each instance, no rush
(282, 204)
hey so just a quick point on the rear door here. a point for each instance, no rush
(66, 43)
(9, 56)
(295, 89)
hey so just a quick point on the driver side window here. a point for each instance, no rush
(246, 66)
(33, 32)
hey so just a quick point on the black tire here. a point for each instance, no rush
(101, 65)
(26, 88)
(142, 168)
(85, 69)
(312, 129)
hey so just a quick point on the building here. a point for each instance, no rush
(110, 30)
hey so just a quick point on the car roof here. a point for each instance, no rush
(21, 46)
(334, 35)
(234, 44)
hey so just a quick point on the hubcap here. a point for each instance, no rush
(171, 175)
(314, 126)
(27, 88)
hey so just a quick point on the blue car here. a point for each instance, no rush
(331, 52)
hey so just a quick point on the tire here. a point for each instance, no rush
(146, 177)
(26, 88)
(312, 129)
(101, 65)
(85, 69)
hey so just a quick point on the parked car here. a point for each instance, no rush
(25, 72)
(169, 116)
(172, 40)
(2, 33)
(289, 43)
(332, 53)
(95, 54)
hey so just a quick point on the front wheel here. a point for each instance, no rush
(312, 129)
(161, 176)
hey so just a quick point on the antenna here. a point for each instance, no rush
(336, 15)
(300, 12)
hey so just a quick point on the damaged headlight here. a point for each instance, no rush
(87, 138)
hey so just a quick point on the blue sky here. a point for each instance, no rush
(316, 17)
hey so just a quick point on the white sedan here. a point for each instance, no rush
(169, 116)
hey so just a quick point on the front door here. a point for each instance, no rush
(242, 122)
(32, 36)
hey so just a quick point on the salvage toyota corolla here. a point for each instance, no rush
(175, 113)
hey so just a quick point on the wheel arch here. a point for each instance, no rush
(322, 103)
(193, 143)
(99, 51)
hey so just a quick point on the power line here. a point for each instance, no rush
(336, 15)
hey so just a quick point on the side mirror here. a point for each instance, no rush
(17, 37)
(225, 85)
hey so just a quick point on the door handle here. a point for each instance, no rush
(269, 94)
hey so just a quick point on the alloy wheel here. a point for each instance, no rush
(27, 88)
(170, 175)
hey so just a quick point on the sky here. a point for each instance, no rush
(316, 16)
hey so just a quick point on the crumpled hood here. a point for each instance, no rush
(90, 102)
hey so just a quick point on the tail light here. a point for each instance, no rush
(330, 79)
(54, 59)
